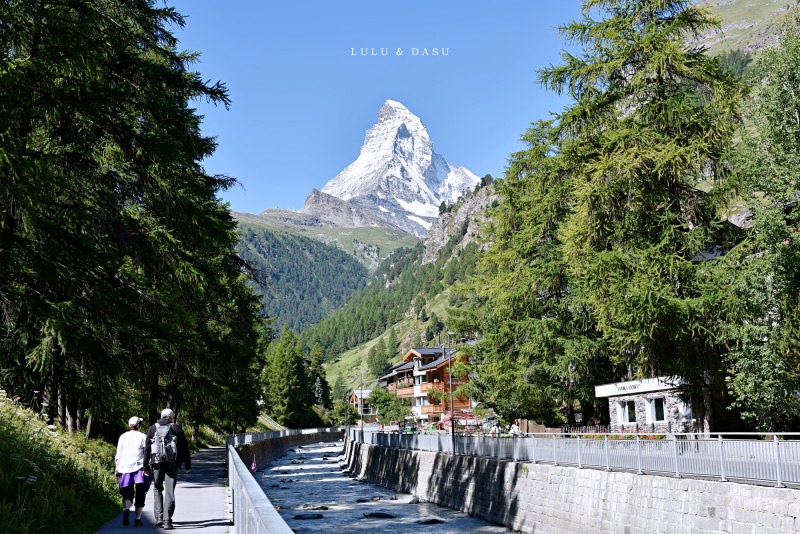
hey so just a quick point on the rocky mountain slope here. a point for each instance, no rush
(398, 177)
(747, 25)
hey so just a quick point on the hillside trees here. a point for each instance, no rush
(299, 280)
(764, 271)
(399, 283)
(540, 350)
(119, 287)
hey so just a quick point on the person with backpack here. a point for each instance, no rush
(131, 471)
(166, 450)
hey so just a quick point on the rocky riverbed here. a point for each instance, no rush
(313, 492)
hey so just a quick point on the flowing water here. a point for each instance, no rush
(313, 493)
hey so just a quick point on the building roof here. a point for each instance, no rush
(397, 368)
(437, 362)
(634, 387)
(420, 352)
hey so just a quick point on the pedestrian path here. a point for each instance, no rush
(200, 504)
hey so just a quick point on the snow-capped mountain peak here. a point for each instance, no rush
(397, 174)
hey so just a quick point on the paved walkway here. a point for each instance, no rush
(199, 499)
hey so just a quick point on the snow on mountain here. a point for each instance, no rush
(398, 176)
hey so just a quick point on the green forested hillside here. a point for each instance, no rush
(369, 245)
(299, 280)
(402, 286)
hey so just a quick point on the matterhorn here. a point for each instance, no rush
(397, 177)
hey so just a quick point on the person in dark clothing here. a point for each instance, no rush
(165, 474)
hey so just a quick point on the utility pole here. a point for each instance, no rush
(452, 410)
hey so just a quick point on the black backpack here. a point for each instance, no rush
(164, 447)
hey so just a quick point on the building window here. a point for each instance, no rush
(627, 411)
(657, 410)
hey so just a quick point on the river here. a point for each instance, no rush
(313, 493)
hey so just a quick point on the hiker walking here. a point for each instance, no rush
(167, 449)
(131, 471)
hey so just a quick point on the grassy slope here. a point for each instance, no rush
(745, 23)
(52, 481)
(408, 332)
(387, 240)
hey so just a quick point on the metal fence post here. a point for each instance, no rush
(638, 455)
(721, 459)
(778, 466)
(675, 451)
(580, 465)
(555, 458)
(605, 449)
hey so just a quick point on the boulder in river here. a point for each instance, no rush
(378, 515)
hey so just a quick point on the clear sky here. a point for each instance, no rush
(301, 101)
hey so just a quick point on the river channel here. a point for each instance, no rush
(312, 491)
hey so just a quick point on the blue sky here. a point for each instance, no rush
(301, 101)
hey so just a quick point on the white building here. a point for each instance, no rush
(651, 405)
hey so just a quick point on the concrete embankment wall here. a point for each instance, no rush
(544, 498)
(269, 449)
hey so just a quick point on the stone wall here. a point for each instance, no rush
(548, 499)
(674, 421)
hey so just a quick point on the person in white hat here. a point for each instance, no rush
(131, 471)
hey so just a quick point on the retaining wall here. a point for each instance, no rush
(544, 498)
(275, 447)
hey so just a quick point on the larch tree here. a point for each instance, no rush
(647, 142)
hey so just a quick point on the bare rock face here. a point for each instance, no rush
(332, 211)
(466, 217)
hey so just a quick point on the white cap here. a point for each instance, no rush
(166, 412)
(133, 421)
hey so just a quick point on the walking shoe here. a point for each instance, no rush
(138, 522)
(159, 523)
(168, 525)
(126, 514)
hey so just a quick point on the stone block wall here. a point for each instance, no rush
(545, 499)
(673, 422)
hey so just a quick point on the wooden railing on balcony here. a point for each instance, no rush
(430, 409)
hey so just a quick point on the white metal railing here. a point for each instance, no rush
(249, 508)
(743, 457)
(252, 510)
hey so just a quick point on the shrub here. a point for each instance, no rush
(52, 481)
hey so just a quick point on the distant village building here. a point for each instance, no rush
(651, 405)
(424, 377)
(358, 399)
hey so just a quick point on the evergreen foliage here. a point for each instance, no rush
(300, 281)
(119, 287)
(400, 285)
(763, 273)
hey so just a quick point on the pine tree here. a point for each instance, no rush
(119, 287)
(286, 382)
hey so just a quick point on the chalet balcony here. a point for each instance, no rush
(401, 389)
(434, 386)
(433, 409)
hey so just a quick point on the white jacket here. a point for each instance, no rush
(130, 452)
